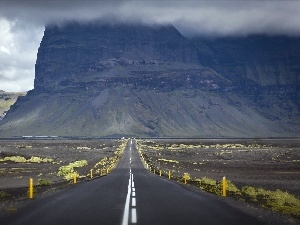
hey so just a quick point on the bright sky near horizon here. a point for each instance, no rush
(22, 24)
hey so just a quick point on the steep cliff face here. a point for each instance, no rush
(79, 55)
(118, 80)
(255, 64)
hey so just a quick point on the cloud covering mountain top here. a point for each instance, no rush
(23, 22)
(191, 17)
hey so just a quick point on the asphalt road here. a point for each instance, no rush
(128, 195)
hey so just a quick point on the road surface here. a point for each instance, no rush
(128, 195)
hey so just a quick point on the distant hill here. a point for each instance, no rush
(135, 80)
(7, 99)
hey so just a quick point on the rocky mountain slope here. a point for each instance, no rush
(7, 99)
(135, 80)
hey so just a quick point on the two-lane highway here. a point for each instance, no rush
(129, 195)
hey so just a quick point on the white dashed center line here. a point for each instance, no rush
(133, 216)
(133, 202)
(130, 198)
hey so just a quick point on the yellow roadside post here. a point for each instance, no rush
(160, 173)
(91, 173)
(224, 187)
(107, 171)
(74, 178)
(169, 175)
(184, 180)
(31, 188)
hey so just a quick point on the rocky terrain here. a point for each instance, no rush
(7, 99)
(135, 80)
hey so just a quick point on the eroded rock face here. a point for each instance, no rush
(85, 56)
(256, 64)
(133, 80)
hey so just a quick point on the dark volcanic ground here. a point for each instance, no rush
(271, 164)
(14, 176)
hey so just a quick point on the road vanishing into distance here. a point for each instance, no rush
(128, 195)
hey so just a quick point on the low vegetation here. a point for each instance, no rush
(68, 171)
(277, 200)
(168, 160)
(44, 182)
(4, 195)
(108, 163)
(21, 159)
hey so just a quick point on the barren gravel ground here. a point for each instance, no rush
(271, 164)
(14, 176)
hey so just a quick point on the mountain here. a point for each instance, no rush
(257, 62)
(6, 100)
(97, 79)
(79, 55)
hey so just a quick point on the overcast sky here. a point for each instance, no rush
(22, 24)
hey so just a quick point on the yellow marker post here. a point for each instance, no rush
(74, 178)
(160, 173)
(106, 171)
(31, 188)
(91, 173)
(169, 175)
(224, 187)
(184, 180)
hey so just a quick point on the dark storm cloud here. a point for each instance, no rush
(22, 23)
